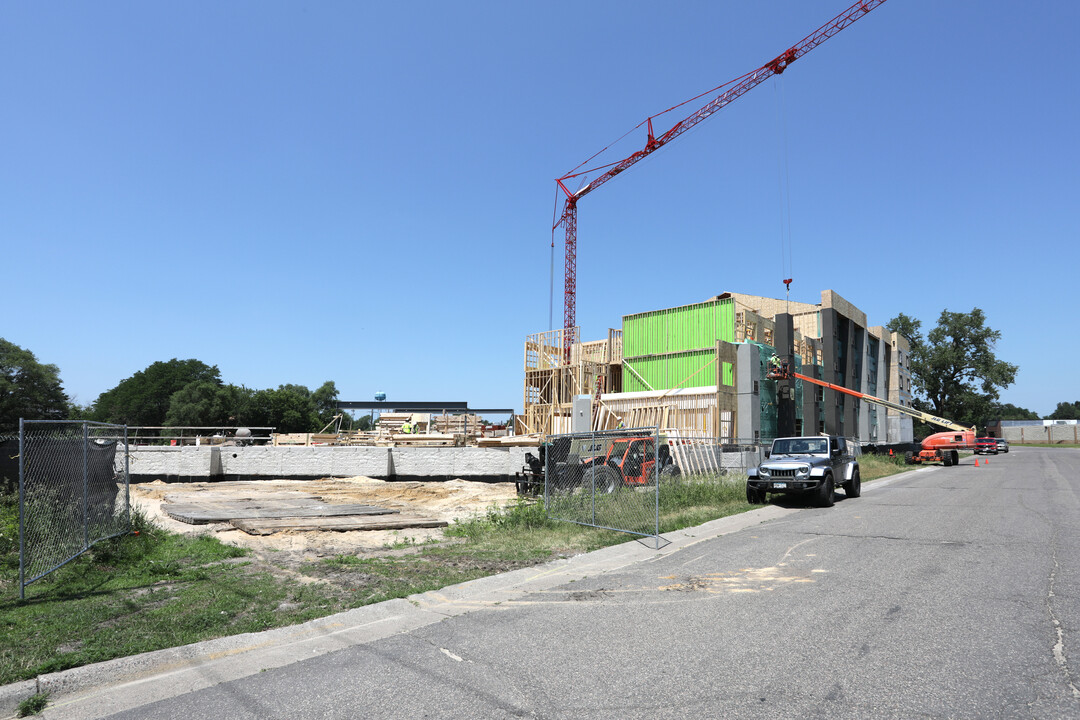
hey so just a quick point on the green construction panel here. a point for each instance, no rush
(680, 329)
(675, 370)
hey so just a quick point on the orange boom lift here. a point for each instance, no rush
(940, 447)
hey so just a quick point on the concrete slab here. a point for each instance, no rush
(269, 526)
(207, 511)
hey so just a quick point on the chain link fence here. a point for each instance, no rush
(73, 492)
(615, 479)
(606, 480)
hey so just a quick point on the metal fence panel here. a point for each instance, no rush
(606, 480)
(73, 492)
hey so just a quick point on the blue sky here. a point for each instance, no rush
(363, 192)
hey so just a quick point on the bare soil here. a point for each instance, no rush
(286, 552)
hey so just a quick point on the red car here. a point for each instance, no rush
(986, 446)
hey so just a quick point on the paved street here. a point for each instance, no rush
(946, 592)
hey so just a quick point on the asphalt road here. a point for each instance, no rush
(947, 592)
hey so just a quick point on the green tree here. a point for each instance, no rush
(325, 399)
(28, 389)
(1008, 411)
(289, 408)
(909, 328)
(201, 403)
(1066, 411)
(143, 398)
(954, 369)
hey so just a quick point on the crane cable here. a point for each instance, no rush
(551, 281)
(784, 195)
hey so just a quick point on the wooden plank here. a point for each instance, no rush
(268, 526)
(208, 512)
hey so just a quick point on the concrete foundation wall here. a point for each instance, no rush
(1054, 434)
(215, 463)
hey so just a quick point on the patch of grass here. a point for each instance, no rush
(872, 467)
(698, 499)
(33, 705)
(136, 593)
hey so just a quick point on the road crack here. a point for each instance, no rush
(1059, 645)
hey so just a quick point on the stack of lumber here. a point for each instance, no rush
(305, 439)
(357, 437)
(510, 441)
(425, 440)
(468, 425)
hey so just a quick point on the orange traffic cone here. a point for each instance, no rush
(976, 462)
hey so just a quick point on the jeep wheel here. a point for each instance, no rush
(825, 492)
(602, 479)
(853, 487)
(754, 497)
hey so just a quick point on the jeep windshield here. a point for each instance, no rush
(800, 446)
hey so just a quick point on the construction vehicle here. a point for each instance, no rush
(940, 447)
(601, 464)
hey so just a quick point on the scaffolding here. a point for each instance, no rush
(551, 383)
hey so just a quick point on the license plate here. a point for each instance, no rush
(780, 486)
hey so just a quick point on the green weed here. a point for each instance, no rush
(33, 705)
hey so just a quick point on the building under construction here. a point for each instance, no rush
(701, 370)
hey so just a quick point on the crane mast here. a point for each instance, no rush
(739, 87)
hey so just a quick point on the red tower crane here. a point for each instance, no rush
(735, 89)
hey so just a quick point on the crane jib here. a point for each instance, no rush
(742, 85)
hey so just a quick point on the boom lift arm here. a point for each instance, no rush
(924, 416)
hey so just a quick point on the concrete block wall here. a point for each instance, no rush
(221, 462)
(1054, 434)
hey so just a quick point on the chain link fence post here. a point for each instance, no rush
(22, 533)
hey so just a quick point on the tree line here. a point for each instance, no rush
(167, 393)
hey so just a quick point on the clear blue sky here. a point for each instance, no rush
(363, 192)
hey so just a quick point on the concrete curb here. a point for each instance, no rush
(113, 686)
(14, 694)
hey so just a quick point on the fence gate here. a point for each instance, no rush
(73, 492)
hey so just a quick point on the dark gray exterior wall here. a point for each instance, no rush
(842, 349)
(784, 339)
